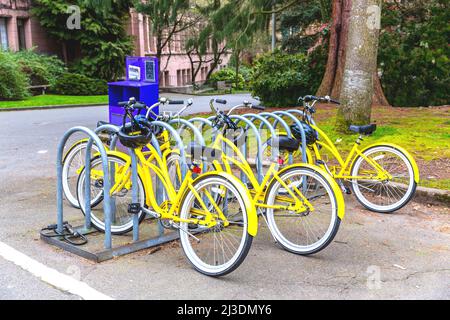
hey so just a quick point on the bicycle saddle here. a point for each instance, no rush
(202, 153)
(284, 143)
(367, 129)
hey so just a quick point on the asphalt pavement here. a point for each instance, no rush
(403, 255)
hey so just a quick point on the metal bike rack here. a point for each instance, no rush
(280, 120)
(251, 125)
(254, 117)
(204, 122)
(302, 131)
(108, 251)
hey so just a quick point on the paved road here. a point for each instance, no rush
(409, 250)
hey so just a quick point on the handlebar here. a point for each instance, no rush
(176, 102)
(221, 101)
(326, 99)
(258, 107)
(132, 105)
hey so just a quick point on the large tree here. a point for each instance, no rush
(360, 64)
(337, 52)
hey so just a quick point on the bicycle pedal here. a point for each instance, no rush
(346, 189)
(134, 208)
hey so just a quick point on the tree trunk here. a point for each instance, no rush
(332, 80)
(357, 86)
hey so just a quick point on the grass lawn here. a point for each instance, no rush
(53, 100)
(424, 132)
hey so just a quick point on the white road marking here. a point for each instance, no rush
(51, 276)
(42, 151)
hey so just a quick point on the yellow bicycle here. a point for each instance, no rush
(302, 204)
(383, 176)
(215, 237)
(73, 161)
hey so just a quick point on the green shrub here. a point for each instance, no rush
(414, 53)
(79, 85)
(278, 79)
(228, 74)
(13, 82)
(103, 41)
(41, 69)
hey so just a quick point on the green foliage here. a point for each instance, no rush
(317, 61)
(229, 75)
(295, 20)
(13, 82)
(41, 69)
(80, 85)
(414, 53)
(102, 39)
(280, 78)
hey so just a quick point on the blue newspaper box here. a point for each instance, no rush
(141, 83)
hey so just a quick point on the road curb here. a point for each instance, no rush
(65, 106)
(432, 195)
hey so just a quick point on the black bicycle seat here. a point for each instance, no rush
(285, 143)
(367, 129)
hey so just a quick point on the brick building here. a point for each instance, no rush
(20, 30)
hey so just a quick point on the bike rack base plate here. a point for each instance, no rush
(95, 251)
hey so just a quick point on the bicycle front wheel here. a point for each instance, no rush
(221, 248)
(306, 221)
(388, 195)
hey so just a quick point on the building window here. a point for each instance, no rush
(21, 34)
(166, 79)
(179, 78)
(3, 34)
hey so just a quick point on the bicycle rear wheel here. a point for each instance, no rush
(122, 220)
(307, 231)
(222, 247)
(73, 161)
(389, 195)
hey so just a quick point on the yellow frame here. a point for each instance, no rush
(346, 165)
(301, 203)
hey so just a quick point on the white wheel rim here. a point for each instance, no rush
(94, 219)
(276, 231)
(65, 173)
(184, 237)
(362, 198)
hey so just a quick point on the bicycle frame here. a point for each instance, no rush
(345, 165)
(301, 203)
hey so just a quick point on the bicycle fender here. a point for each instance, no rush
(406, 153)
(334, 186)
(249, 204)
